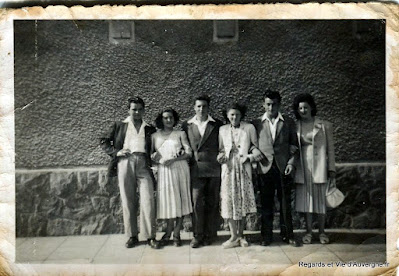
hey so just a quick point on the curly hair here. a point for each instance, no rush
(304, 98)
(158, 120)
(240, 107)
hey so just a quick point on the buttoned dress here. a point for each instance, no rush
(237, 192)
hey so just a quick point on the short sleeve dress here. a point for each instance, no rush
(173, 191)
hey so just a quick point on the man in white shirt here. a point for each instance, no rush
(128, 143)
(278, 143)
(203, 134)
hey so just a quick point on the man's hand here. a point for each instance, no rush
(257, 154)
(289, 169)
(123, 153)
(221, 158)
(155, 157)
(244, 159)
(169, 162)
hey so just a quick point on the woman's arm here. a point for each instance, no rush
(221, 158)
(330, 149)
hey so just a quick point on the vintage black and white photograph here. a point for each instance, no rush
(200, 142)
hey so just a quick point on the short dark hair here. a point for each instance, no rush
(240, 107)
(203, 98)
(136, 100)
(304, 98)
(158, 120)
(273, 95)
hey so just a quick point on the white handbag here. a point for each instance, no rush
(334, 197)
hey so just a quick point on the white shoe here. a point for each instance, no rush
(231, 244)
(243, 242)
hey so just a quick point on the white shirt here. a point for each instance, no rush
(273, 126)
(201, 125)
(134, 141)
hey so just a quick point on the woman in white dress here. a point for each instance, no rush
(236, 140)
(171, 150)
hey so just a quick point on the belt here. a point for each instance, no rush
(139, 153)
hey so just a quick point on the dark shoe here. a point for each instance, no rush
(291, 241)
(133, 241)
(195, 243)
(208, 241)
(176, 241)
(153, 243)
(266, 241)
(165, 239)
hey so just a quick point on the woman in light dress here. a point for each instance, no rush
(314, 166)
(171, 150)
(236, 140)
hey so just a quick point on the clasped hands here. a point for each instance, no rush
(157, 157)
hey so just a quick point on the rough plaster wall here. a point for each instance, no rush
(78, 83)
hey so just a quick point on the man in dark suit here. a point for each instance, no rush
(277, 145)
(129, 143)
(203, 134)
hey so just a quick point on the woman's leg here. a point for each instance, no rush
(308, 217)
(169, 229)
(178, 226)
(308, 236)
(322, 235)
(322, 222)
(233, 229)
(240, 226)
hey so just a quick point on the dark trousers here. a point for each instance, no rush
(269, 183)
(206, 215)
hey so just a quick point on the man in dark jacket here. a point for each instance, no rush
(278, 143)
(203, 134)
(128, 143)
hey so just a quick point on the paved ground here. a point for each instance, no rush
(346, 246)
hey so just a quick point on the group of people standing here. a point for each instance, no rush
(206, 170)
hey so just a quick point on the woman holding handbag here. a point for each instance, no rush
(315, 164)
(171, 150)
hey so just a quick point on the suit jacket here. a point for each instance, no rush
(113, 140)
(203, 163)
(283, 148)
(323, 159)
(247, 141)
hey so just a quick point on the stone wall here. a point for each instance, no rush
(82, 201)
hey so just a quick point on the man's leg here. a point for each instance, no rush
(197, 186)
(212, 214)
(267, 191)
(147, 202)
(284, 197)
(127, 187)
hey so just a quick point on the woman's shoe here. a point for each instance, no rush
(324, 238)
(165, 239)
(243, 242)
(307, 239)
(176, 241)
(231, 244)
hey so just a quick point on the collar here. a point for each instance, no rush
(279, 116)
(127, 120)
(194, 119)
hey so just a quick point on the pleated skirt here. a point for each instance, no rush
(310, 197)
(173, 191)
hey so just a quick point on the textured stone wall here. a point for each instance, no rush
(71, 83)
(83, 201)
